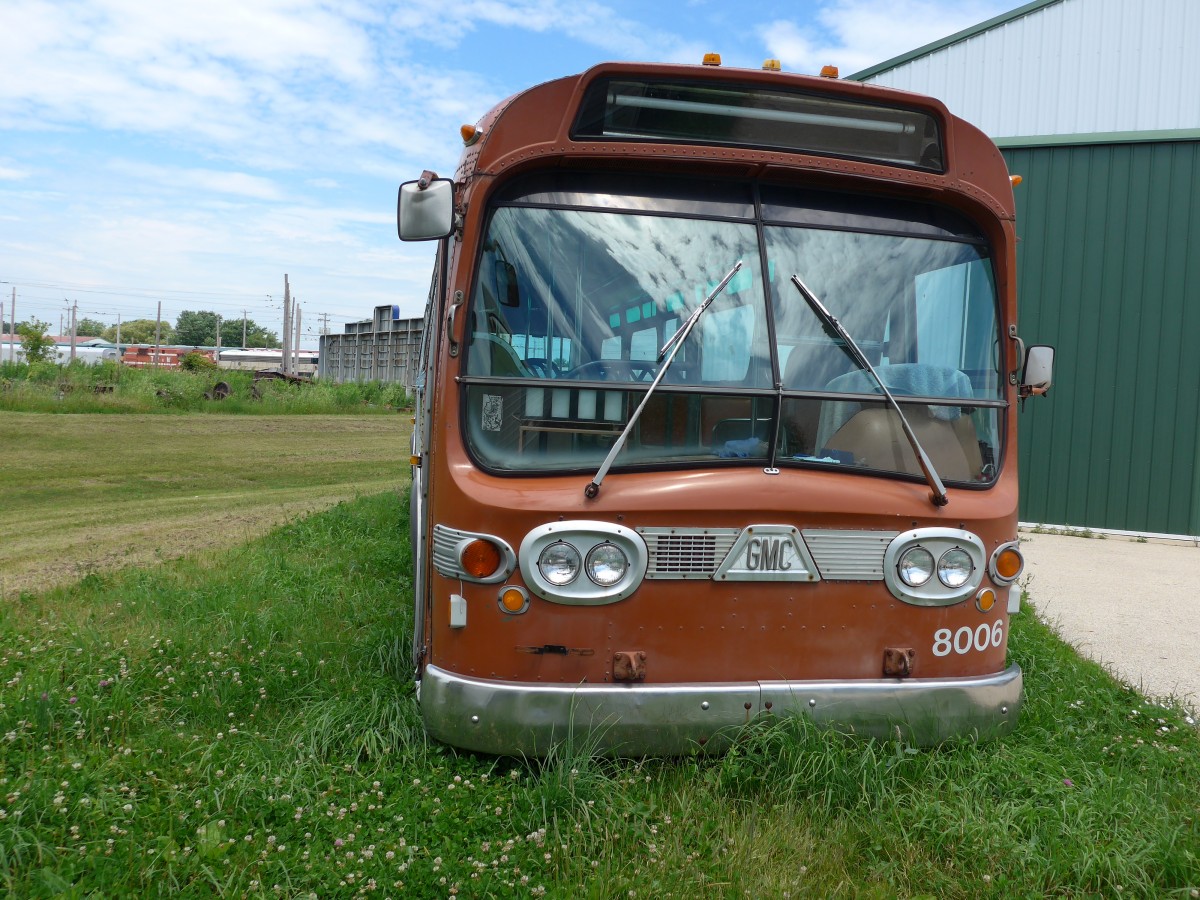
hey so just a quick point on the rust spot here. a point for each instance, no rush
(898, 662)
(629, 665)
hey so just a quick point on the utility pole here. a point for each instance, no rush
(324, 317)
(287, 323)
(120, 355)
(12, 328)
(157, 333)
(243, 329)
(74, 320)
(217, 354)
(296, 345)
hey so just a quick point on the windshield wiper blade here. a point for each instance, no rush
(939, 497)
(670, 348)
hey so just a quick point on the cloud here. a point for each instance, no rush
(856, 34)
(9, 172)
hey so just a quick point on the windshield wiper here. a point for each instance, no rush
(939, 497)
(669, 349)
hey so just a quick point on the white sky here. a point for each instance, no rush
(194, 153)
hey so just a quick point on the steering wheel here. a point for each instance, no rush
(614, 370)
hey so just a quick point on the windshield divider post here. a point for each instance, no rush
(939, 496)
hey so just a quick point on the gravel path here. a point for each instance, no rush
(1125, 604)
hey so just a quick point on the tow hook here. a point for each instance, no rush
(898, 662)
(629, 665)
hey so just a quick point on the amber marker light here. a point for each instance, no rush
(470, 134)
(985, 600)
(712, 59)
(772, 65)
(829, 71)
(1015, 179)
(513, 600)
(480, 558)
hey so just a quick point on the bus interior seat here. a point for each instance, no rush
(811, 367)
(874, 436)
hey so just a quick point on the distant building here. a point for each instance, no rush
(383, 348)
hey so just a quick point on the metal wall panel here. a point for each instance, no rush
(384, 348)
(1071, 67)
(1108, 272)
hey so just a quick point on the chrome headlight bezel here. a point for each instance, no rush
(586, 537)
(938, 542)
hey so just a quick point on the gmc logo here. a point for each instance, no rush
(766, 555)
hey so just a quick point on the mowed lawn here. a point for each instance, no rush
(88, 493)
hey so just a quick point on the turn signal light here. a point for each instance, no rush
(1007, 563)
(480, 558)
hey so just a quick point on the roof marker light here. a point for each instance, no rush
(470, 134)
(829, 71)
(712, 59)
(772, 65)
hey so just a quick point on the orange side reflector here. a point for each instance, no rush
(985, 600)
(512, 600)
(480, 558)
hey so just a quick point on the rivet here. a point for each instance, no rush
(704, 705)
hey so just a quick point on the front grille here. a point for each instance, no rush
(848, 555)
(686, 552)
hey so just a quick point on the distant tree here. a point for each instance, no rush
(36, 344)
(89, 327)
(256, 335)
(197, 328)
(139, 331)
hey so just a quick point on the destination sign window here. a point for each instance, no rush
(760, 117)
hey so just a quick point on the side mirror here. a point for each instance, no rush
(1038, 374)
(425, 209)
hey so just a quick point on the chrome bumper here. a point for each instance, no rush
(518, 718)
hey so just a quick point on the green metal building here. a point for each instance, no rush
(1096, 104)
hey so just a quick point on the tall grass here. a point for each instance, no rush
(112, 388)
(248, 727)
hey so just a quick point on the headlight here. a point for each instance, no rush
(915, 566)
(955, 567)
(606, 564)
(559, 563)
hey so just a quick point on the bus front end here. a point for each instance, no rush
(717, 419)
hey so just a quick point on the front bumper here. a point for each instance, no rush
(518, 718)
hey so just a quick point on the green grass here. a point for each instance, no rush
(246, 726)
(111, 388)
(89, 492)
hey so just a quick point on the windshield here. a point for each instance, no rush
(579, 286)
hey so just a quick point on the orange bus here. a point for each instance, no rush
(716, 415)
